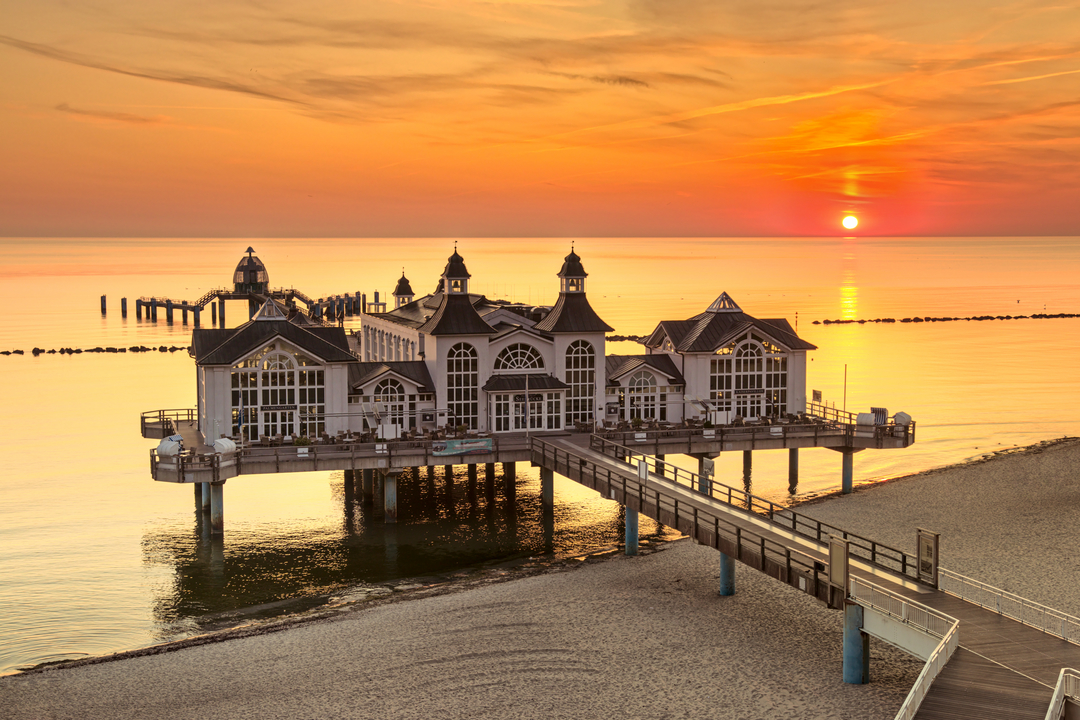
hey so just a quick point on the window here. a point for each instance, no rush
(749, 377)
(581, 377)
(275, 392)
(390, 397)
(519, 357)
(462, 385)
(641, 393)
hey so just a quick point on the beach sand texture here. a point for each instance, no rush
(644, 637)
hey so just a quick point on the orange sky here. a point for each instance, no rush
(520, 118)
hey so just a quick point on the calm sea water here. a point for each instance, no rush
(95, 557)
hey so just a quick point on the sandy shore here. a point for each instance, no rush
(644, 637)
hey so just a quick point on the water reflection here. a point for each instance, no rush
(849, 289)
(444, 524)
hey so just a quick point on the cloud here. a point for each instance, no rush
(115, 116)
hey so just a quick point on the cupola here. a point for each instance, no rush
(403, 293)
(572, 275)
(455, 276)
(251, 275)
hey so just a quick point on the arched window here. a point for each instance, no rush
(462, 385)
(519, 356)
(390, 398)
(581, 377)
(642, 395)
(277, 393)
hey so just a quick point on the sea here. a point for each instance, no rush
(96, 557)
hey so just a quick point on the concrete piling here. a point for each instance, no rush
(856, 646)
(727, 575)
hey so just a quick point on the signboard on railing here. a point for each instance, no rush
(817, 396)
(927, 544)
(479, 446)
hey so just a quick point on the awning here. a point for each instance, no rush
(514, 383)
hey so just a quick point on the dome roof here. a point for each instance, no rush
(455, 267)
(572, 267)
(403, 287)
(250, 270)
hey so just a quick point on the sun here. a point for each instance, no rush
(851, 222)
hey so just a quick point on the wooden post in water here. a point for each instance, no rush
(102, 304)
(123, 307)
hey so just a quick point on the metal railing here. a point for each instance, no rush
(1068, 685)
(752, 548)
(816, 428)
(167, 419)
(870, 551)
(1030, 613)
(926, 620)
(192, 461)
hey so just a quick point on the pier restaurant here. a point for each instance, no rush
(455, 359)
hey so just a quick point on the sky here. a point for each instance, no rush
(515, 118)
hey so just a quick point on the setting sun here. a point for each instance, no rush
(851, 222)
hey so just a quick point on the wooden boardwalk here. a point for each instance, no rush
(1003, 669)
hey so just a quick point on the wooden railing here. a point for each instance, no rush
(871, 551)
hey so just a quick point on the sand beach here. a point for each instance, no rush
(643, 637)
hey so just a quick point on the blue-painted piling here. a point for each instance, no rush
(848, 472)
(727, 575)
(856, 646)
(631, 532)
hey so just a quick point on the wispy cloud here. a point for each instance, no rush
(119, 117)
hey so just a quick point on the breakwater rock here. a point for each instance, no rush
(974, 318)
(79, 351)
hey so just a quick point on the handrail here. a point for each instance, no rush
(1030, 613)
(873, 552)
(1068, 685)
(925, 619)
(821, 428)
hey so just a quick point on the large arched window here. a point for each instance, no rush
(275, 392)
(462, 385)
(390, 398)
(641, 391)
(519, 356)
(581, 377)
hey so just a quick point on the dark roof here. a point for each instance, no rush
(456, 316)
(710, 331)
(573, 314)
(361, 374)
(617, 366)
(572, 267)
(510, 383)
(455, 267)
(403, 286)
(214, 346)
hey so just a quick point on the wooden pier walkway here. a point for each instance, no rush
(1003, 669)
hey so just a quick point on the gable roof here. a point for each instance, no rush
(710, 331)
(216, 346)
(617, 366)
(573, 314)
(415, 371)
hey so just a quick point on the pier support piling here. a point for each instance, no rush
(196, 312)
(213, 313)
(631, 531)
(153, 309)
(856, 646)
(138, 309)
(217, 508)
(848, 480)
(168, 311)
(368, 487)
(221, 312)
(547, 487)
(123, 307)
(205, 501)
(793, 469)
(510, 470)
(727, 575)
(102, 304)
(390, 496)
